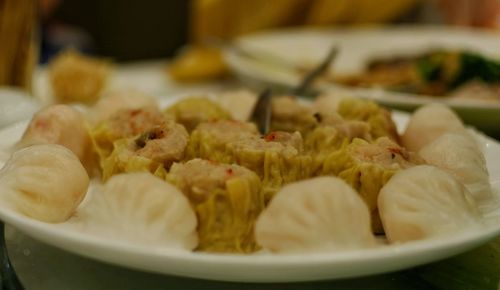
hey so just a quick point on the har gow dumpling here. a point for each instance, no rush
(315, 215)
(45, 182)
(428, 123)
(459, 155)
(63, 125)
(142, 208)
(423, 202)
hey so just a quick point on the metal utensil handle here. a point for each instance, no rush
(311, 76)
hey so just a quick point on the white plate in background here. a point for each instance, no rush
(358, 46)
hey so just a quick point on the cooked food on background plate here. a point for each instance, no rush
(437, 73)
(182, 177)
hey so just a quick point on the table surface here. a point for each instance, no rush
(43, 267)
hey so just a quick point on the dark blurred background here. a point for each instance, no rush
(121, 29)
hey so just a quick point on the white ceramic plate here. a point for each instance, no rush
(359, 45)
(260, 267)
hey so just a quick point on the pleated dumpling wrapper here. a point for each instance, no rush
(141, 208)
(428, 123)
(63, 125)
(460, 155)
(323, 214)
(424, 202)
(46, 182)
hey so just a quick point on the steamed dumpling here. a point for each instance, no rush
(428, 123)
(315, 215)
(120, 100)
(459, 155)
(46, 182)
(63, 125)
(142, 208)
(423, 202)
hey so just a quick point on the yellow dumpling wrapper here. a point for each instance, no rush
(227, 200)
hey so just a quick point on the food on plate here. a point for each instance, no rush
(459, 155)
(367, 167)
(288, 114)
(239, 103)
(425, 202)
(323, 214)
(277, 158)
(198, 177)
(227, 199)
(329, 102)
(428, 123)
(379, 119)
(153, 150)
(76, 78)
(141, 208)
(63, 125)
(45, 182)
(124, 124)
(194, 110)
(115, 101)
(435, 73)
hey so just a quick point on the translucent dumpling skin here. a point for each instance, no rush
(367, 166)
(425, 202)
(459, 155)
(45, 182)
(227, 200)
(141, 208)
(316, 215)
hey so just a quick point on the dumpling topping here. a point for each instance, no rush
(141, 208)
(424, 202)
(459, 155)
(316, 215)
(428, 123)
(227, 200)
(45, 182)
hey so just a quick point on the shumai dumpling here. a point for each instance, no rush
(227, 200)
(379, 118)
(63, 125)
(192, 111)
(367, 166)
(141, 208)
(316, 215)
(125, 123)
(460, 155)
(115, 101)
(423, 202)
(154, 151)
(428, 123)
(45, 182)
(289, 115)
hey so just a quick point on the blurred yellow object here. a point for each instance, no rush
(229, 18)
(76, 78)
(198, 63)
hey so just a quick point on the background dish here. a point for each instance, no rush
(306, 47)
(259, 267)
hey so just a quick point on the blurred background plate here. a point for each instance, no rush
(305, 47)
